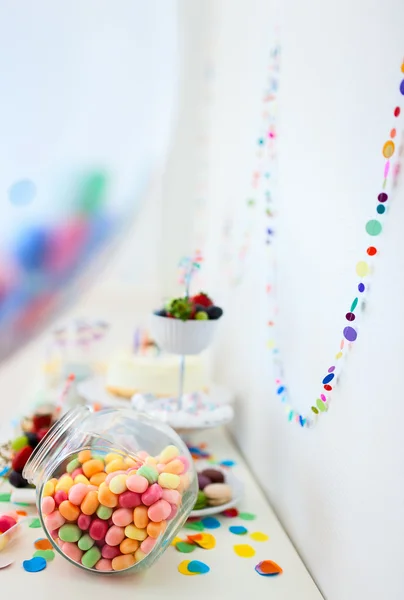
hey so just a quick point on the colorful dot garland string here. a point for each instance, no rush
(189, 266)
(373, 228)
(261, 179)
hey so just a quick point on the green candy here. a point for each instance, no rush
(201, 501)
(103, 512)
(91, 557)
(73, 464)
(149, 473)
(85, 542)
(48, 555)
(19, 443)
(69, 533)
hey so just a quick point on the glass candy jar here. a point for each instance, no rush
(113, 488)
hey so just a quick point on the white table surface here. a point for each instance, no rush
(230, 575)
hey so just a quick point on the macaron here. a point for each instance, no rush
(214, 475)
(217, 494)
(201, 501)
(203, 481)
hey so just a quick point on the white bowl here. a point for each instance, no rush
(182, 337)
(231, 480)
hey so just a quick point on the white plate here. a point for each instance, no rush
(236, 485)
(93, 390)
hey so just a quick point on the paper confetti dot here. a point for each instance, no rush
(371, 251)
(388, 149)
(361, 287)
(328, 378)
(246, 516)
(227, 463)
(381, 209)
(211, 523)
(5, 497)
(397, 111)
(44, 544)
(198, 567)
(350, 334)
(183, 568)
(258, 536)
(185, 547)
(238, 530)
(328, 387)
(22, 192)
(204, 540)
(350, 316)
(373, 227)
(244, 550)
(195, 525)
(175, 541)
(402, 87)
(338, 355)
(393, 133)
(383, 197)
(34, 565)
(321, 405)
(35, 524)
(48, 555)
(268, 568)
(362, 268)
(230, 512)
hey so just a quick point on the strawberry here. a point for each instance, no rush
(202, 299)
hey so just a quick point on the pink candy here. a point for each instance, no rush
(173, 512)
(115, 535)
(6, 523)
(184, 461)
(172, 496)
(98, 529)
(84, 522)
(60, 497)
(54, 520)
(153, 494)
(72, 551)
(112, 475)
(47, 505)
(110, 551)
(77, 472)
(104, 565)
(129, 500)
(77, 493)
(159, 511)
(122, 517)
(148, 544)
(137, 483)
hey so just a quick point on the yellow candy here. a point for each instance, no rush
(169, 453)
(139, 555)
(123, 562)
(81, 479)
(106, 497)
(48, 488)
(112, 456)
(116, 465)
(151, 461)
(117, 485)
(98, 478)
(184, 483)
(64, 484)
(130, 462)
(174, 466)
(84, 456)
(134, 533)
(132, 472)
(128, 546)
(169, 481)
(91, 467)
(90, 503)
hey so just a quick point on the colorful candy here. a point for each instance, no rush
(107, 513)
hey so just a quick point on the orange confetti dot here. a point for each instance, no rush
(22, 513)
(402, 68)
(371, 250)
(388, 149)
(393, 133)
(269, 567)
(43, 544)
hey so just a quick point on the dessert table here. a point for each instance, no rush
(229, 575)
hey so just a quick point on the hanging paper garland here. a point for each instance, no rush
(373, 228)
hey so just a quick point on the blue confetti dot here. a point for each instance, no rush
(227, 463)
(211, 523)
(238, 530)
(34, 565)
(328, 378)
(197, 566)
(280, 389)
(361, 287)
(22, 192)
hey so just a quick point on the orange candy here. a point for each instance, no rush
(140, 517)
(69, 511)
(123, 562)
(106, 497)
(98, 478)
(91, 467)
(155, 529)
(90, 503)
(176, 467)
(84, 456)
(128, 546)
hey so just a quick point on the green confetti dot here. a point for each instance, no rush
(185, 547)
(373, 227)
(245, 516)
(5, 497)
(48, 555)
(195, 525)
(354, 304)
(35, 524)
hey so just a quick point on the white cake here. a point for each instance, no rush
(129, 373)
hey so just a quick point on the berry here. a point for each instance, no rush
(214, 312)
(202, 299)
(41, 421)
(17, 480)
(32, 439)
(161, 313)
(20, 459)
(180, 308)
(41, 433)
(201, 316)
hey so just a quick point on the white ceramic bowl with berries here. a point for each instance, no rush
(186, 325)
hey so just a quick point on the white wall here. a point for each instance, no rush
(338, 489)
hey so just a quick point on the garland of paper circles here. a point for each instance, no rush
(363, 268)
